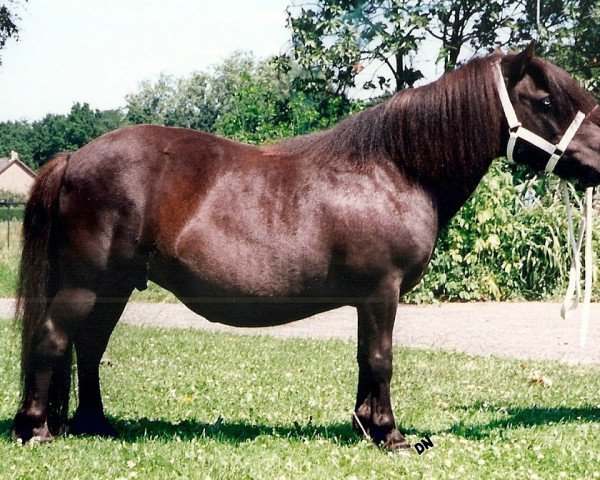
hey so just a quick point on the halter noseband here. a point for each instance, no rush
(518, 131)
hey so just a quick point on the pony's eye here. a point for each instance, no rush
(547, 102)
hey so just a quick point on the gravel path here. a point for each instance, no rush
(518, 330)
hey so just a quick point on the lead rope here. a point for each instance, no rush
(571, 301)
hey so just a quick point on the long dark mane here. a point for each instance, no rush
(442, 135)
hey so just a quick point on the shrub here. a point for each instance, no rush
(11, 206)
(11, 197)
(508, 242)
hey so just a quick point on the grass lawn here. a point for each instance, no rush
(196, 405)
(10, 253)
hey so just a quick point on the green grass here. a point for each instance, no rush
(196, 405)
(10, 252)
(153, 294)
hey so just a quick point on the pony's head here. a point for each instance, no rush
(559, 120)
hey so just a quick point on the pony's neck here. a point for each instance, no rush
(449, 132)
(442, 136)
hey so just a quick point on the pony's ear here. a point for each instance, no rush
(517, 65)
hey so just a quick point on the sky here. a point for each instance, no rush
(97, 51)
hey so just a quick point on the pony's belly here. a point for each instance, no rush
(257, 312)
(244, 304)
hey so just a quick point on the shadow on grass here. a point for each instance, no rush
(521, 418)
(5, 430)
(135, 430)
(230, 432)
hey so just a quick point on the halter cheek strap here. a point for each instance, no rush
(518, 131)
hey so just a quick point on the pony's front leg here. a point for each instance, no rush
(373, 411)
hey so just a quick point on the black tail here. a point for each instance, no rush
(38, 279)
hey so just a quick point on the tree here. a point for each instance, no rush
(16, 136)
(241, 98)
(250, 98)
(478, 23)
(195, 106)
(8, 22)
(186, 102)
(258, 103)
(335, 40)
(152, 102)
(568, 35)
(59, 133)
(581, 55)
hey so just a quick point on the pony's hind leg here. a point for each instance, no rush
(47, 367)
(90, 343)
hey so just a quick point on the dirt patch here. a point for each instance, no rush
(531, 330)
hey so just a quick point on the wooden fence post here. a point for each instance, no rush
(8, 228)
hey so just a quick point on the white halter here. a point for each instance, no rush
(518, 131)
(556, 152)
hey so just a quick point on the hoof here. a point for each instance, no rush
(27, 429)
(92, 423)
(390, 439)
(395, 442)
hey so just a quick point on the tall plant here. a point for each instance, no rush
(508, 242)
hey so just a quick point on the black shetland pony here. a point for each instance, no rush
(252, 236)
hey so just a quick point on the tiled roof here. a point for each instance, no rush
(7, 162)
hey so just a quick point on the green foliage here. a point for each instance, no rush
(13, 213)
(508, 242)
(196, 405)
(199, 100)
(241, 98)
(10, 250)
(251, 98)
(9, 19)
(185, 102)
(58, 133)
(264, 106)
(17, 136)
(478, 24)
(39, 141)
(333, 41)
(251, 114)
(11, 197)
(569, 36)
